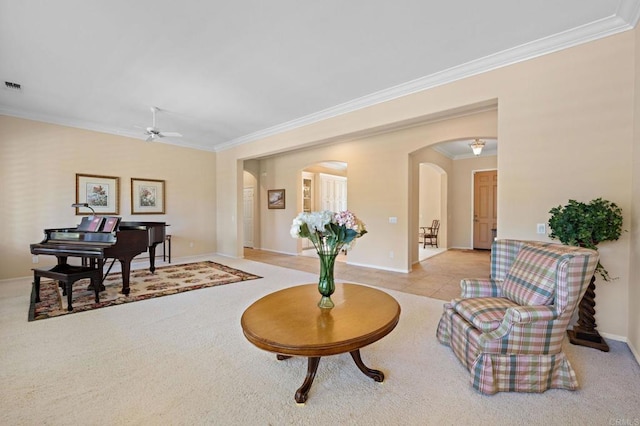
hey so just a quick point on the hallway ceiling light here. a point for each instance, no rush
(477, 146)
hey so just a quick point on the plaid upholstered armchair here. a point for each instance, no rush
(508, 330)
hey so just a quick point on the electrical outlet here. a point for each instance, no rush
(391, 255)
(34, 258)
(541, 228)
(191, 244)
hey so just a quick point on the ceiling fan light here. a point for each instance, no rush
(477, 146)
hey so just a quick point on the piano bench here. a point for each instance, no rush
(69, 274)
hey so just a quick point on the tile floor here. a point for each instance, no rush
(438, 276)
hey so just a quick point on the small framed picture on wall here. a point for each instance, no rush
(147, 196)
(101, 193)
(275, 199)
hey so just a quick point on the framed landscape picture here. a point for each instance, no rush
(147, 196)
(102, 193)
(275, 199)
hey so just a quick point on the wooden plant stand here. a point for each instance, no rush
(585, 333)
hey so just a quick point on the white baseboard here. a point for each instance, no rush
(614, 337)
(16, 279)
(635, 352)
(277, 251)
(365, 265)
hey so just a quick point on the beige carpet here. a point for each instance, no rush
(183, 360)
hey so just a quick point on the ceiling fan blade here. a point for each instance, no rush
(153, 132)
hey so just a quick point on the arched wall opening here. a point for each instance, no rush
(451, 165)
(250, 209)
(432, 204)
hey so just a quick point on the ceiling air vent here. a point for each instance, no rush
(11, 85)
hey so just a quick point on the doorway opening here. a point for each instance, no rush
(456, 164)
(432, 206)
(323, 187)
(250, 212)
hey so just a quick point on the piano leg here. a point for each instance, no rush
(125, 264)
(102, 277)
(69, 292)
(152, 257)
(96, 283)
(62, 262)
(36, 283)
(100, 267)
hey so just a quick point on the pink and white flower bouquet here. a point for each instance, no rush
(329, 231)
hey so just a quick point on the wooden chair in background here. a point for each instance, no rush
(429, 234)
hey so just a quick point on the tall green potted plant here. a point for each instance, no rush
(587, 225)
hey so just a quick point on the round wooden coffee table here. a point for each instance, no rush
(289, 323)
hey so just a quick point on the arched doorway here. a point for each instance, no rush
(250, 210)
(432, 206)
(456, 163)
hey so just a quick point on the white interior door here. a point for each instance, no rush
(485, 211)
(307, 202)
(333, 192)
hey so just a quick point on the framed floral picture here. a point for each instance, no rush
(101, 193)
(275, 199)
(147, 196)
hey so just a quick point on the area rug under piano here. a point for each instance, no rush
(143, 285)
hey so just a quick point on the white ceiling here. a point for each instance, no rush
(228, 72)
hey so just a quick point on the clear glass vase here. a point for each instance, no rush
(326, 283)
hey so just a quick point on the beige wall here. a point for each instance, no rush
(38, 164)
(565, 130)
(634, 225)
(563, 103)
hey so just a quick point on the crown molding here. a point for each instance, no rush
(629, 11)
(61, 121)
(94, 127)
(625, 19)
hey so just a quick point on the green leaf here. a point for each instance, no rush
(586, 225)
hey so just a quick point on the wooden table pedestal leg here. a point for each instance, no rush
(376, 375)
(303, 391)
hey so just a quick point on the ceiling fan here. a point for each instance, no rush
(154, 133)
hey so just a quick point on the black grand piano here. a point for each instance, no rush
(99, 238)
